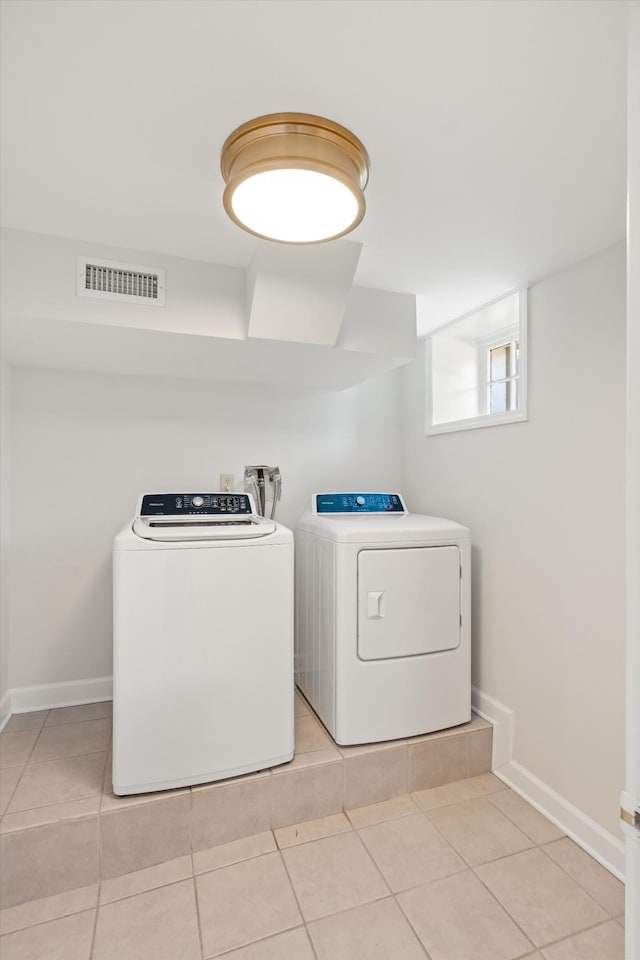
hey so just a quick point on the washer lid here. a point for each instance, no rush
(199, 516)
(208, 528)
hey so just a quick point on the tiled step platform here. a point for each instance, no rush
(464, 871)
(62, 828)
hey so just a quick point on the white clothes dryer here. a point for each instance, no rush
(383, 617)
(203, 642)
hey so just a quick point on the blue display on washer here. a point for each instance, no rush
(359, 503)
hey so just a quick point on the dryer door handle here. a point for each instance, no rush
(375, 605)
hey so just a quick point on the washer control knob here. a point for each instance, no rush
(197, 501)
(360, 501)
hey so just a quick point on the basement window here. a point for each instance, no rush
(476, 367)
(502, 376)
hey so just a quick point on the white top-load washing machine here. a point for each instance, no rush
(383, 604)
(203, 642)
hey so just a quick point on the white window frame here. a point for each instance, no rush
(502, 338)
(483, 419)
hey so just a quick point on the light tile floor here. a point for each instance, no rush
(55, 795)
(464, 871)
(56, 765)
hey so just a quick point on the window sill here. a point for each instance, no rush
(474, 423)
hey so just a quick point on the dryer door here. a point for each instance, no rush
(408, 601)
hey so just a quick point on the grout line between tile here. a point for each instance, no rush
(446, 839)
(6, 809)
(140, 893)
(551, 942)
(233, 863)
(473, 866)
(95, 922)
(373, 861)
(375, 823)
(440, 806)
(71, 756)
(345, 910)
(399, 906)
(44, 806)
(426, 883)
(99, 843)
(504, 813)
(541, 847)
(302, 843)
(12, 715)
(254, 943)
(71, 723)
(291, 884)
(42, 923)
(311, 943)
(104, 772)
(197, 901)
(66, 756)
(52, 822)
(591, 926)
(35, 743)
(193, 874)
(504, 907)
(24, 767)
(409, 768)
(191, 829)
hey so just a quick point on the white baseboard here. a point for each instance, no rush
(603, 846)
(502, 719)
(47, 695)
(5, 709)
(598, 842)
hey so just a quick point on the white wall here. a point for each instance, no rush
(545, 501)
(455, 378)
(5, 501)
(631, 799)
(84, 446)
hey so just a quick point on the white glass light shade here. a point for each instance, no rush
(294, 178)
(295, 206)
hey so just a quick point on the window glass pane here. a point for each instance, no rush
(498, 362)
(517, 357)
(498, 398)
(515, 394)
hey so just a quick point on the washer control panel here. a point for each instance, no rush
(352, 503)
(198, 504)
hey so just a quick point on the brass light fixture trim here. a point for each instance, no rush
(295, 142)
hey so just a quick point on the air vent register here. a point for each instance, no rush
(110, 280)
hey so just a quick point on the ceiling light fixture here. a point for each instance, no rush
(294, 178)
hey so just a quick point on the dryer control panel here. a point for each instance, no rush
(195, 504)
(355, 503)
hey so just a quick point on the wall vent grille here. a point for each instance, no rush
(121, 281)
(109, 280)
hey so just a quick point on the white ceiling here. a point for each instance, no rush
(496, 128)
